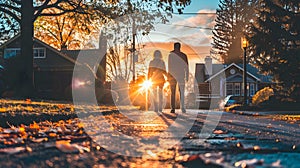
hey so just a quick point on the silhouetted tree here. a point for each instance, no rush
(139, 19)
(25, 12)
(233, 17)
(275, 44)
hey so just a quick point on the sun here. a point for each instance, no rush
(146, 85)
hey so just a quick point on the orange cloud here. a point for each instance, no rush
(205, 21)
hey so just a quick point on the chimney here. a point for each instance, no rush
(208, 66)
(64, 47)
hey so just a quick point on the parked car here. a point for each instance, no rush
(231, 101)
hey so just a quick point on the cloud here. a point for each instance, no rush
(193, 30)
(196, 39)
(186, 30)
(200, 20)
(196, 29)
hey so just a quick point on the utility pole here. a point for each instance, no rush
(133, 56)
(133, 50)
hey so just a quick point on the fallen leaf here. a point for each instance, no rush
(269, 126)
(248, 163)
(230, 138)
(66, 147)
(22, 130)
(193, 157)
(239, 145)
(39, 140)
(276, 164)
(28, 101)
(34, 126)
(3, 110)
(28, 149)
(256, 147)
(217, 158)
(52, 134)
(12, 151)
(219, 132)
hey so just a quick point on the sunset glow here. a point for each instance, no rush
(146, 85)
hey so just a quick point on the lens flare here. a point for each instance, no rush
(78, 83)
(146, 85)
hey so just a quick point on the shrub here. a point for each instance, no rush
(262, 95)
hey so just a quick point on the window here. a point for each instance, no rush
(237, 89)
(252, 89)
(233, 89)
(229, 88)
(39, 53)
(11, 52)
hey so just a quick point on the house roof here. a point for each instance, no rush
(218, 71)
(59, 53)
(55, 50)
(238, 78)
(10, 40)
(255, 72)
(217, 68)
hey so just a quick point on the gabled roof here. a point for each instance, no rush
(43, 44)
(238, 78)
(10, 40)
(55, 50)
(224, 69)
(255, 71)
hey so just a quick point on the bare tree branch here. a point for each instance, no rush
(17, 2)
(40, 8)
(46, 5)
(10, 13)
(17, 9)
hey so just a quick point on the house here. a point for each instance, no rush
(216, 81)
(53, 69)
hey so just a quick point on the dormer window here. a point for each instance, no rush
(39, 53)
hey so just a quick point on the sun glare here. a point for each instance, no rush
(146, 85)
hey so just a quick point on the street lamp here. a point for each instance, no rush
(244, 46)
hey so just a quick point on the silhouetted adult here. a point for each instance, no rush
(178, 72)
(157, 73)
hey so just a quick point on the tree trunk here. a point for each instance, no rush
(26, 75)
(102, 62)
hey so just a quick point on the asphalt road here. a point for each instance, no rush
(199, 137)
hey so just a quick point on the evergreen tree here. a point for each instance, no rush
(275, 44)
(233, 17)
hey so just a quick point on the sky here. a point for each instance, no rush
(188, 25)
(192, 30)
(197, 5)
